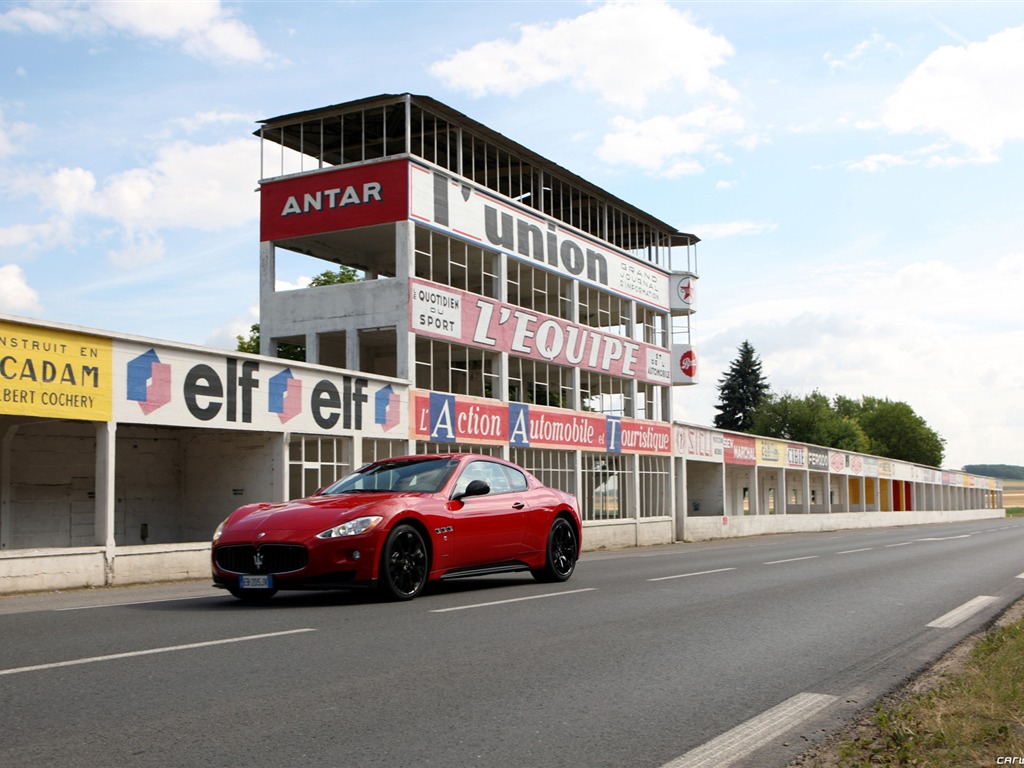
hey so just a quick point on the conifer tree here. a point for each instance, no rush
(740, 391)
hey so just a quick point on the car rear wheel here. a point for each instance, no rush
(404, 564)
(561, 553)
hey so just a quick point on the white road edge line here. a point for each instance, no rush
(513, 600)
(137, 602)
(696, 573)
(168, 649)
(1021, 576)
(793, 559)
(964, 612)
(851, 551)
(745, 738)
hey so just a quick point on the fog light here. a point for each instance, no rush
(356, 554)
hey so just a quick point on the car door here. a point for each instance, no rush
(489, 528)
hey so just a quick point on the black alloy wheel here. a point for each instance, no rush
(561, 553)
(404, 564)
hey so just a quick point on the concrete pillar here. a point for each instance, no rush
(106, 496)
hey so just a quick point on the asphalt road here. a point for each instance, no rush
(739, 652)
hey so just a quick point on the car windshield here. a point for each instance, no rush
(418, 476)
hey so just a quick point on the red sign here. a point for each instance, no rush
(740, 450)
(343, 198)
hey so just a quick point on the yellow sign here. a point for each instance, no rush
(54, 374)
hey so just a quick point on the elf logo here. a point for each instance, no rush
(285, 395)
(149, 381)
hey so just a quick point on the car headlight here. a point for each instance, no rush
(219, 531)
(352, 527)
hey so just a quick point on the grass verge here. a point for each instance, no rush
(974, 716)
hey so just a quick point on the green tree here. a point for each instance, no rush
(335, 277)
(895, 431)
(869, 425)
(297, 352)
(809, 419)
(741, 391)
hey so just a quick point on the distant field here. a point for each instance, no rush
(1013, 493)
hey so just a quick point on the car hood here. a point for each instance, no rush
(316, 513)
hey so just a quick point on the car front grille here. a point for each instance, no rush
(269, 558)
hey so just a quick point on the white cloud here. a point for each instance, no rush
(203, 28)
(16, 296)
(666, 143)
(188, 186)
(855, 57)
(969, 93)
(625, 51)
(10, 135)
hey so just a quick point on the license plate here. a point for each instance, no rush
(256, 582)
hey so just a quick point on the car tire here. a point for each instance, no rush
(404, 564)
(253, 595)
(560, 559)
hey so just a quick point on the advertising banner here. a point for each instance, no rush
(54, 374)
(456, 206)
(683, 292)
(770, 453)
(817, 459)
(478, 321)
(700, 444)
(740, 450)
(191, 388)
(796, 456)
(684, 364)
(333, 200)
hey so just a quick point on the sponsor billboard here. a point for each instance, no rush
(191, 388)
(54, 374)
(495, 222)
(477, 321)
(446, 418)
(740, 450)
(683, 293)
(770, 453)
(334, 200)
(700, 444)
(684, 364)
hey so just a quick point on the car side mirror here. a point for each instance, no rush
(475, 488)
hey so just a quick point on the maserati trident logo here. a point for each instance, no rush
(257, 561)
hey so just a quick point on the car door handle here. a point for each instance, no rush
(518, 505)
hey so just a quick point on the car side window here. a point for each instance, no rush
(491, 473)
(517, 478)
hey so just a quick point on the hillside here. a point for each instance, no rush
(1002, 471)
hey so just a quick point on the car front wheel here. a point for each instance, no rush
(561, 552)
(404, 564)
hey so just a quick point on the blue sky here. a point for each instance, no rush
(853, 169)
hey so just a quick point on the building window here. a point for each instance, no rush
(314, 462)
(530, 381)
(556, 469)
(606, 487)
(447, 261)
(605, 394)
(539, 290)
(455, 369)
(605, 311)
(655, 486)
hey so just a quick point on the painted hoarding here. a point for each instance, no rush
(699, 444)
(445, 418)
(334, 200)
(449, 313)
(53, 373)
(470, 212)
(168, 386)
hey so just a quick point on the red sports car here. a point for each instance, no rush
(397, 524)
